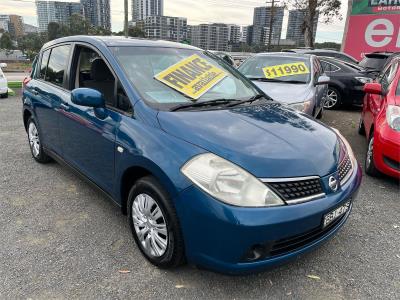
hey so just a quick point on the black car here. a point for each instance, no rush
(327, 53)
(346, 82)
(375, 62)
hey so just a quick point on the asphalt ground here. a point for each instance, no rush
(60, 238)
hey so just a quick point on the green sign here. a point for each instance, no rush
(369, 7)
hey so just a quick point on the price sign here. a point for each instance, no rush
(283, 70)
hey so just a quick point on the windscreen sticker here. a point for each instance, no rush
(193, 76)
(291, 69)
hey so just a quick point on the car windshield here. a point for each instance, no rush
(277, 68)
(167, 77)
(375, 63)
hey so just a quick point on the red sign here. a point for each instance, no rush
(369, 33)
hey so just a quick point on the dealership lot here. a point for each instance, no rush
(60, 238)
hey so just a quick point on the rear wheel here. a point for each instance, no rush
(35, 143)
(370, 168)
(154, 223)
(333, 98)
(4, 95)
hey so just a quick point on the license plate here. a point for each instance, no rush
(335, 214)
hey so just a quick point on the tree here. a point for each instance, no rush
(327, 9)
(135, 31)
(5, 41)
(78, 25)
(56, 30)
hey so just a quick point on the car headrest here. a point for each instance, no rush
(100, 71)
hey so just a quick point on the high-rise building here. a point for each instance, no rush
(262, 21)
(5, 22)
(30, 29)
(144, 8)
(16, 26)
(54, 11)
(165, 28)
(296, 24)
(234, 34)
(210, 36)
(97, 12)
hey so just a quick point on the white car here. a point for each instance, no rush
(3, 83)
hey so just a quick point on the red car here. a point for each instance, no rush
(380, 122)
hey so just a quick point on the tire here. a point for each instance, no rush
(34, 142)
(4, 95)
(161, 241)
(333, 98)
(361, 127)
(370, 168)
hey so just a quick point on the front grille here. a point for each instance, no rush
(291, 190)
(284, 246)
(345, 168)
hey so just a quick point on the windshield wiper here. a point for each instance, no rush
(214, 102)
(250, 100)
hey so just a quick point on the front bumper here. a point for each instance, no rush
(217, 235)
(387, 150)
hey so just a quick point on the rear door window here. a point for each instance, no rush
(57, 65)
(43, 64)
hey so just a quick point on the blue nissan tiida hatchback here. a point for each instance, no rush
(206, 166)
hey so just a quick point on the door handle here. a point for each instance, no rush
(64, 106)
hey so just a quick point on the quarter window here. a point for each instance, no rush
(43, 64)
(57, 65)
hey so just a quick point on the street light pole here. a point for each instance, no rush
(271, 23)
(126, 18)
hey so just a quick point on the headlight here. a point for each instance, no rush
(393, 117)
(301, 106)
(228, 183)
(347, 146)
(364, 80)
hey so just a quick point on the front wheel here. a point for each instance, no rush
(370, 168)
(333, 98)
(35, 142)
(361, 127)
(154, 223)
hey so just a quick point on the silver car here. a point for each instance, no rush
(297, 80)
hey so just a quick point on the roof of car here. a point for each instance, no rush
(284, 54)
(120, 41)
(381, 54)
(301, 50)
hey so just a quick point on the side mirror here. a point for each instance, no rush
(88, 97)
(3, 65)
(373, 88)
(323, 79)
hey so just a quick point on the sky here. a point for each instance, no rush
(196, 11)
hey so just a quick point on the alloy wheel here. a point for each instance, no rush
(150, 225)
(370, 152)
(34, 141)
(332, 99)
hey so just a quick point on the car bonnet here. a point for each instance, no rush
(267, 140)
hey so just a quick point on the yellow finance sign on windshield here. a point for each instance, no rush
(290, 69)
(193, 76)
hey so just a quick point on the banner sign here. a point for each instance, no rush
(364, 7)
(193, 76)
(374, 25)
(286, 70)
